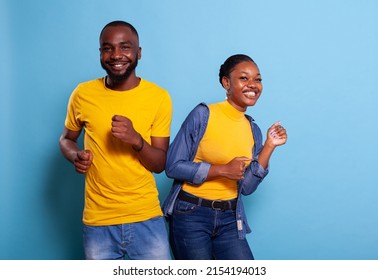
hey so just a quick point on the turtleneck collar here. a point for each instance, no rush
(231, 111)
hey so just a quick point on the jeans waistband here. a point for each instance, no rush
(214, 204)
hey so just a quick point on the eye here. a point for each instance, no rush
(125, 48)
(258, 80)
(243, 78)
(106, 49)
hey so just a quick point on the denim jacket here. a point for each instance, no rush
(181, 168)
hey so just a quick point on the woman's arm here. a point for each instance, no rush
(179, 164)
(276, 136)
(258, 169)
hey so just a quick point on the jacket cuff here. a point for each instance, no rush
(259, 171)
(201, 173)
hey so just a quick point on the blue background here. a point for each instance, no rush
(318, 61)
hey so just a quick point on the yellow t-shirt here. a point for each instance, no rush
(228, 135)
(118, 189)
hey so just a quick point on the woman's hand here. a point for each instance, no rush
(233, 170)
(276, 135)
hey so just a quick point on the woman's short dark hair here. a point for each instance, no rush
(230, 63)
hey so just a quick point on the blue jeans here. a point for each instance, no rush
(201, 233)
(146, 240)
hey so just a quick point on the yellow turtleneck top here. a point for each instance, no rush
(228, 135)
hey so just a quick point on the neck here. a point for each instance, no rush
(121, 85)
(236, 106)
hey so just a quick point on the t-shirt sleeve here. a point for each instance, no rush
(73, 117)
(162, 124)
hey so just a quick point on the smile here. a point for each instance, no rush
(250, 94)
(117, 65)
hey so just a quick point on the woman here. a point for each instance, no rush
(217, 156)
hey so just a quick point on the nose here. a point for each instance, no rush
(252, 83)
(116, 53)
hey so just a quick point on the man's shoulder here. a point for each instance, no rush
(88, 87)
(146, 84)
(91, 83)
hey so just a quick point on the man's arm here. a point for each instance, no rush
(82, 159)
(153, 156)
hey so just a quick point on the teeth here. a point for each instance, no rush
(250, 94)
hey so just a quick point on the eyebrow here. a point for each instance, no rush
(127, 42)
(243, 72)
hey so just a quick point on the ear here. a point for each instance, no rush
(226, 83)
(139, 53)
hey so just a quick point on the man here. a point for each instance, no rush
(126, 120)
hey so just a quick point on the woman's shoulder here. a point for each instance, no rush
(201, 108)
(198, 114)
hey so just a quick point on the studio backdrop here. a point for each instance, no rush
(318, 60)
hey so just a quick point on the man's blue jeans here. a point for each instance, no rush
(146, 240)
(202, 233)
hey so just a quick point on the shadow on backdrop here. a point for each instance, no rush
(64, 195)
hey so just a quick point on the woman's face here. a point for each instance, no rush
(243, 85)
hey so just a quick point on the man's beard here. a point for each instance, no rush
(121, 77)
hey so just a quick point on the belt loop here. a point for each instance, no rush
(199, 201)
(229, 204)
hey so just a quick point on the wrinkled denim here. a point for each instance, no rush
(146, 240)
(202, 233)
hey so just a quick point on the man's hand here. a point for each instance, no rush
(123, 129)
(83, 161)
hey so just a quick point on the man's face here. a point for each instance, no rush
(119, 52)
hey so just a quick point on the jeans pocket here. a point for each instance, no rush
(184, 207)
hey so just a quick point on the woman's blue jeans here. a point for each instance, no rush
(202, 233)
